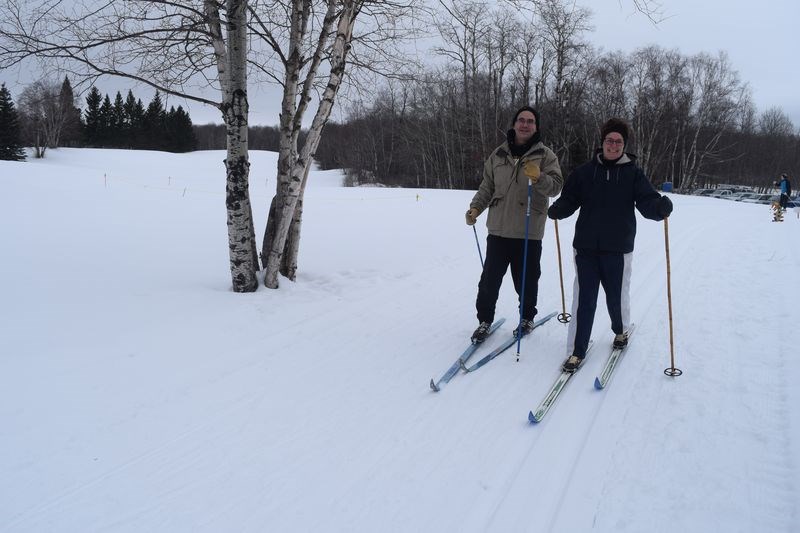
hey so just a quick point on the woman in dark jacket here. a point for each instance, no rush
(606, 190)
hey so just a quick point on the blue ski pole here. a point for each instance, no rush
(478, 243)
(524, 266)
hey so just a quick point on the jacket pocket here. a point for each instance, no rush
(539, 203)
(495, 218)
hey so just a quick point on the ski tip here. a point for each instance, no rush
(532, 418)
(434, 388)
(597, 384)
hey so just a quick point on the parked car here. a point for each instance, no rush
(760, 199)
(742, 196)
(721, 193)
(703, 192)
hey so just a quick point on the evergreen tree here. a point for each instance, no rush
(129, 106)
(137, 124)
(93, 125)
(179, 131)
(133, 111)
(117, 133)
(72, 124)
(106, 123)
(130, 129)
(10, 147)
(154, 121)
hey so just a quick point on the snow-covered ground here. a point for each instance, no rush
(138, 393)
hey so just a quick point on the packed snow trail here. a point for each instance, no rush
(590, 484)
(138, 393)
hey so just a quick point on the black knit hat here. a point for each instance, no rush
(532, 110)
(616, 125)
(511, 134)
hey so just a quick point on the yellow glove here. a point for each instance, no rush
(532, 171)
(472, 216)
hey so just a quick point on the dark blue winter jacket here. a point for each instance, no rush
(606, 195)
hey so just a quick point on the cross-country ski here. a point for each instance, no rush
(555, 391)
(613, 360)
(463, 358)
(508, 343)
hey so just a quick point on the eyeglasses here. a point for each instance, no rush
(612, 142)
(531, 121)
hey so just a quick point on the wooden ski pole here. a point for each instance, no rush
(563, 317)
(671, 371)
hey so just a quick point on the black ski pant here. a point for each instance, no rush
(500, 253)
(784, 200)
(592, 269)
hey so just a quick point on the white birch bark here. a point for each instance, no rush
(294, 165)
(232, 71)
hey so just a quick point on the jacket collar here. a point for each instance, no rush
(505, 151)
(624, 160)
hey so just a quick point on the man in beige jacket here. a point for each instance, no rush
(504, 191)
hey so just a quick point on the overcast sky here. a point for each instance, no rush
(760, 38)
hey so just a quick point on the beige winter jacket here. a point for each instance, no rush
(504, 190)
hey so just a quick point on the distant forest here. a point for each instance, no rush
(694, 123)
(49, 116)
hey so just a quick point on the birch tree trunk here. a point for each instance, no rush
(289, 264)
(232, 70)
(294, 165)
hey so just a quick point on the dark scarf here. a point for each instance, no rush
(520, 150)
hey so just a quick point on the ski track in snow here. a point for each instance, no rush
(560, 491)
(185, 407)
(563, 504)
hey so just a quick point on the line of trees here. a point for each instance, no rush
(48, 117)
(693, 117)
(128, 124)
(212, 137)
(121, 124)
